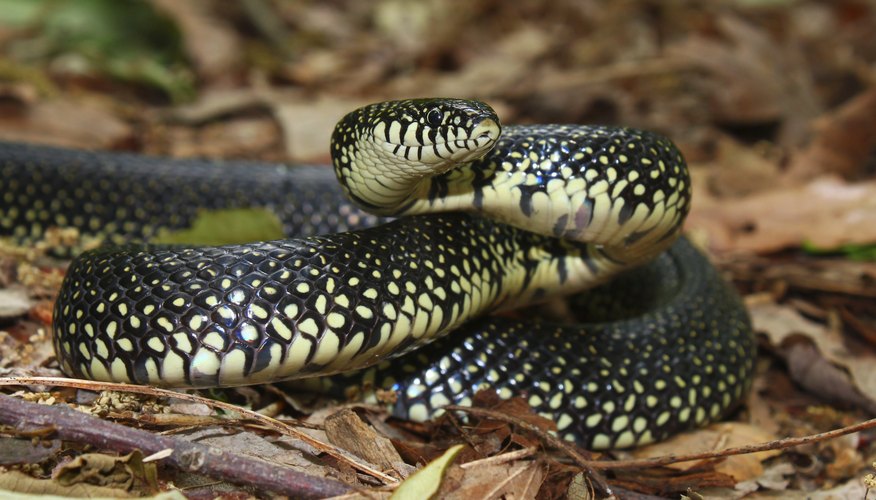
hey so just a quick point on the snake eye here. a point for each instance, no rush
(434, 117)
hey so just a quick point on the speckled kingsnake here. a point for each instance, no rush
(668, 346)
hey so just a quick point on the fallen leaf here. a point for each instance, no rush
(809, 368)
(781, 324)
(23, 451)
(494, 71)
(223, 227)
(308, 124)
(774, 478)
(213, 104)
(15, 481)
(208, 40)
(843, 141)
(846, 458)
(346, 430)
(425, 483)
(64, 122)
(518, 480)
(237, 137)
(739, 170)
(14, 302)
(580, 488)
(826, 213)
(106, 471)
(752, 78)
(716, 437)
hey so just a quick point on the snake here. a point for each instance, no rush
(404, 271)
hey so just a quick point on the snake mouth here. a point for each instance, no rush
(476, 140)
(481, 139)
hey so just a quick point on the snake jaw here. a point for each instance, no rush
(448, 155)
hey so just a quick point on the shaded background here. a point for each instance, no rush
(773, 102)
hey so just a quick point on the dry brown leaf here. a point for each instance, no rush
(717, 437)
(238, 137)
(14, 302)
(843, 143)
(63, 122)
(753, 79)
(846, 458)
(776, 476)
(19, 482)
(492, 72)
(110, 471)
(853, 489)
(809, 368)
(738, 76)
(280, 450)
(740, 170)
(188, 408)
(308, 124)
(215, 104)
(209, 41)
(827, 213)
(518, 480)
(346, 430)
(781, 323)
(23, 451)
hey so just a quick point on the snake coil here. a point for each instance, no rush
(489, 220)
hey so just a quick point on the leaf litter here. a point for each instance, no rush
(772, 103)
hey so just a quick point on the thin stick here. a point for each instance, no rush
(270, 423)
(500, 459)
(778, 444)
(71, 425)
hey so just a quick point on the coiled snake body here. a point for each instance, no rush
(667, 346)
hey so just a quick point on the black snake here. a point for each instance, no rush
(666, 346)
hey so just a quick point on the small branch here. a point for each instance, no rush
(779, 444)
(270, 423)
(72, 425)
(644, 463)
(500, 459)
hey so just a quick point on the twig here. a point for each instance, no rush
(500, 459)
(270, 423)
(644, 463)
(778, 444)
(72, 425)
(595, 476)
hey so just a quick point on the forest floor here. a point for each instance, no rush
(773, 103)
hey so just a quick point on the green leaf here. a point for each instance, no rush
(225, 227)
(128, 40)
(425, 482)
(854, 251)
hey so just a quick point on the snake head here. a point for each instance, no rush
(383, 150)
(436, 133)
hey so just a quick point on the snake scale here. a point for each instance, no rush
(488, 219)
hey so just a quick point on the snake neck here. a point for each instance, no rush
(625, 192)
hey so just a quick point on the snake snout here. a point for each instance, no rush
(487, 129)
